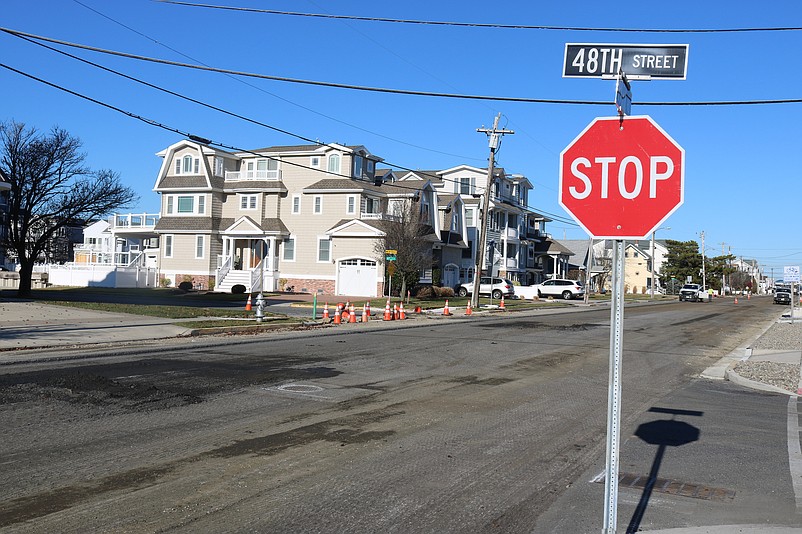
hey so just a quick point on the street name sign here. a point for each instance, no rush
(622, 178)
(645, 62)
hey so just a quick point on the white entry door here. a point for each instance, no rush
(357, 277)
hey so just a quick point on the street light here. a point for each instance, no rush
(653, 279)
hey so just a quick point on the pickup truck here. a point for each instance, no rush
(693, 293)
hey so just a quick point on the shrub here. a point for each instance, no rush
(164, 282)
(444, 291)
(238, 289)
(425, 292)
(211, 284)
(185, 286)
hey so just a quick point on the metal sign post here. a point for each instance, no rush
(791, 274)
(614, 391)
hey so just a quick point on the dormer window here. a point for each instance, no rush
(334, 163)
(357, 166)
(187, 165)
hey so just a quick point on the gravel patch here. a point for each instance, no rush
(781, 336)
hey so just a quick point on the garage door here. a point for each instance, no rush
(357, 277)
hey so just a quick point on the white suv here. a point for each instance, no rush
(500, 287)
(558, 287)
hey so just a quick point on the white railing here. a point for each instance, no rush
(234, 176)
(256, 277)
(138, 221)
(224, 265)
(512, 263)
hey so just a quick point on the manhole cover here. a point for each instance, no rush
(300, 388)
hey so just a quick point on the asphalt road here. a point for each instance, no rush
(487, 425)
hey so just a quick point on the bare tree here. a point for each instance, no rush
(412, 238)
(50, 188)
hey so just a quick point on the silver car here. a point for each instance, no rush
(500, 287)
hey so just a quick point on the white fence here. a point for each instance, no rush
(100, 276)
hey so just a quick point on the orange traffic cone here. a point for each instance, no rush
(468, 310)
(337, 319)
(418, 310)
(367, 305)
(736, 300)
(401, 314)
(351, 314)
(248, 306)
(387, 313)
(395, 312)
(446, 311)
(326, 311)
(365, 312)
(501, 305)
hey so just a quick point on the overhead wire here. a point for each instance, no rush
(385, 89)
(261, 89)
(481, 24)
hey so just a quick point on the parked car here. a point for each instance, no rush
(560, 287)
(500, 287)
(782, 295)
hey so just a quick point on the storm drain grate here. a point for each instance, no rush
(673, 487)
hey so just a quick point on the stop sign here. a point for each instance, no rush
(622, 183)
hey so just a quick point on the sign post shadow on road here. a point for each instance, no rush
(663, 433)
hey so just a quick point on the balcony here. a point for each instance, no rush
(511, 263)
(238, 176)
(378, 217)
(512, 233)
(137, 222)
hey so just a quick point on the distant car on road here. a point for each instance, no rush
(782, 295)
(693, 293)
(500, 287)
(560, 287)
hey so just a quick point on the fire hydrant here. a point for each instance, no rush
(260, 308)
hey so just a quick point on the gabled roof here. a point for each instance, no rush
(354, 228)
(552, 247)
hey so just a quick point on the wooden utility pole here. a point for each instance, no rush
(494, 141)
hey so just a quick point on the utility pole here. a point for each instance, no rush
(588, 268)
(704, 279)
(493, 142)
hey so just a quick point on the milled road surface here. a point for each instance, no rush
(454, 426)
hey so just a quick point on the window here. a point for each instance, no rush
(168, 246)
(187, 165)
(199, 242)
(289, 249)
(455, 226)
(467, 253)
(323, 249)
(219, 167)
(357, 166)
(350, 206)
(314, 161)
(469, 217)
(247, 202)
(201, 205)
(334, 163)
(169, 204)
(186, 204)
(467, 185)
(371, 166)
(397, 208)
(372, 205)
(318, 205)
(296, 204)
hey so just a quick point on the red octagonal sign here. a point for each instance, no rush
(622, 183)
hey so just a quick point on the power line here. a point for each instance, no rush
(480, 24)
(252, 86)
(389, 90)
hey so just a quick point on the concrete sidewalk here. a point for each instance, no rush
(30, 325)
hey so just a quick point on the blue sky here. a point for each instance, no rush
(743, 164)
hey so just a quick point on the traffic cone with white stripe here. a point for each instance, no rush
(395, 312)
(501, 305)
(326, 311)
(351, 314)
(446, 311)
(401, 314)
(468, 310)
(387, 313)
(248, 305)
(337, 318)
(365, 312)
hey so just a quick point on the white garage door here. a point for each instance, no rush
(357, 277)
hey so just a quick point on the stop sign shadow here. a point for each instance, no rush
(622, 179)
